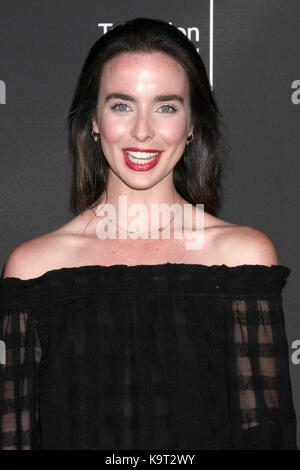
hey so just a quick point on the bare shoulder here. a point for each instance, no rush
(49, 251)
(35, 257)
(242, 244)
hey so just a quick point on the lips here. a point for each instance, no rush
(134, 157)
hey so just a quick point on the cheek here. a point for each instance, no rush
(173, 131)
(112, 129)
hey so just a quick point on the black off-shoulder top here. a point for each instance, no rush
(170, 356)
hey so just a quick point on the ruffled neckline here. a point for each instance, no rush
(239, 269)
(155, 278)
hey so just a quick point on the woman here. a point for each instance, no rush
(134, 342)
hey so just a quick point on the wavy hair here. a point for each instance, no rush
(197, 175)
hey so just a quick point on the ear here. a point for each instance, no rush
(191, 126)
(95, 125)
(191, 129)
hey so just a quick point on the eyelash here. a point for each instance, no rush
(114, 107)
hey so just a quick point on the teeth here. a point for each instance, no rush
(141, 161)
(142, 155)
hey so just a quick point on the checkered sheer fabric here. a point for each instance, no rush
(262, 413)
(19, 395)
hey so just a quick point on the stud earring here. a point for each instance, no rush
(190, 139)
(96, 136)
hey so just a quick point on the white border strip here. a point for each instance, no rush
(211, 41)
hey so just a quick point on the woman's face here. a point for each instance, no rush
(145, 121)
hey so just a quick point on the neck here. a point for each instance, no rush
(140, 210)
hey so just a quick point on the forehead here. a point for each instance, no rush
(151, 70)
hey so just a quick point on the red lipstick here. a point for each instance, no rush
(141, 166)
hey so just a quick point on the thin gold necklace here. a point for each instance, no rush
(160, 229)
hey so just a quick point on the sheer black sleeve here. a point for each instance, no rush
(261, 402)
(21, 352)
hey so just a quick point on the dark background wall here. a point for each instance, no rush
(251, 51)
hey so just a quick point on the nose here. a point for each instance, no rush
(142, 127)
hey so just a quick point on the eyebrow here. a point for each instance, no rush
(157, 99)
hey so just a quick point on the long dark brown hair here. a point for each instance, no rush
(197, 175)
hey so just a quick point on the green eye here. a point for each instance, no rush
(116, 106)
(171, 109)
